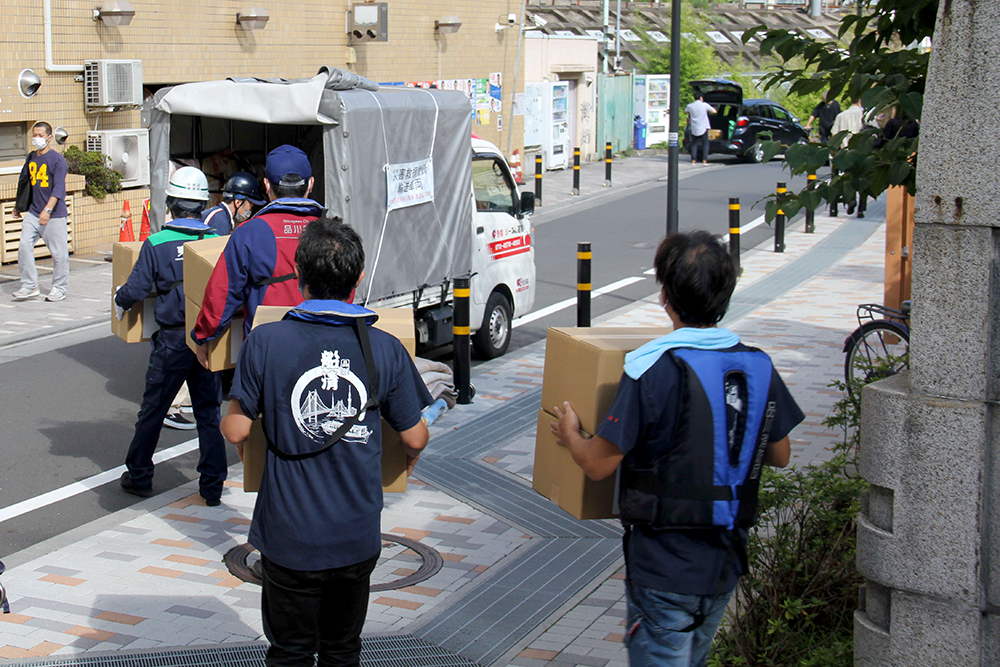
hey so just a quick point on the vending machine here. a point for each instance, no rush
(652, 102)
(546, 121)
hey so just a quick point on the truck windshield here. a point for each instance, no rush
(490, 185)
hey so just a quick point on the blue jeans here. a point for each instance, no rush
(659, 627)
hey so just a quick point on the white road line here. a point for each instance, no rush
(76, 488)
(562, 305)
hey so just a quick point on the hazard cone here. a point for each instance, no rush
(125, 233)
(515, 166)
(144, 226)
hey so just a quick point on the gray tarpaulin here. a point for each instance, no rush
(365, 129)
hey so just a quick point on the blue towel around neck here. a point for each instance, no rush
(641, 360)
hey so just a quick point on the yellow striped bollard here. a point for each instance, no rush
(583, 257)
(460, 333)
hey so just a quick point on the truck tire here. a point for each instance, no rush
(493, 337)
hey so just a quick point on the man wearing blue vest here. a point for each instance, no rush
(322, 379)
(696, 416)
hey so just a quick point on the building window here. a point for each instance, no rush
(13, 141)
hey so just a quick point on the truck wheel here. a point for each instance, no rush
(493, 337)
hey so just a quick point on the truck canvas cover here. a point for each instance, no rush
(396, 164)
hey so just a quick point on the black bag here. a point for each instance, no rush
(23, 200)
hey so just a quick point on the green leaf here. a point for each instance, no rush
(898, 172)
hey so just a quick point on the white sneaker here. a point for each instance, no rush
(24, 294)
(178, 421)
(55, 295)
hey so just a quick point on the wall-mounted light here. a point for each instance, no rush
(115, 13)
(28, 83)
(253, 18)
(60, 135)
(448, 24)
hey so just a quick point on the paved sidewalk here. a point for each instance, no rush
(151, 577)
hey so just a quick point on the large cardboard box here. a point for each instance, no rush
(582, 366)
(398, 322)
(139, 323)
(224, 350)
(559, 479)
(200, 258)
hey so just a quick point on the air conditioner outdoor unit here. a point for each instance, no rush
(127, 151)
(112, 83)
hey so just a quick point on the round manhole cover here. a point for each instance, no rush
(403, 562)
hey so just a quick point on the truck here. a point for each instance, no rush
(431, 201)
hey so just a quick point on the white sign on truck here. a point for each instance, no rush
(400, 165)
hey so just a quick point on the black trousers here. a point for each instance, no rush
(309, 613)
(171, 363)
(699, 143)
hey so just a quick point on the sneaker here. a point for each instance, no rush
(55, 295)
(25, 293)
(128, 487)
(212, 502)
(186, 410)
(178, 421)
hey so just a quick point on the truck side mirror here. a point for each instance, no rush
(527, 204)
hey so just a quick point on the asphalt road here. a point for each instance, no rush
(68, 403)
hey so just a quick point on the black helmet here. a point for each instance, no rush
(242, 185)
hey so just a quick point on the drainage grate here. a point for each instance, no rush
(398, 651)
(237, 561)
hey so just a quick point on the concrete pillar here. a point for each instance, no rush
(929, 534)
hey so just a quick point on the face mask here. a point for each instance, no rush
(242, 216)
(39, 142)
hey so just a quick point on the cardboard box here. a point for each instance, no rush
(139, 323)
(714, 135)
(398, 322)
(224, 350)
(557, 477)
(583, 366)
(200, 258)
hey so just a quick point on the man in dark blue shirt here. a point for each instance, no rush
(322, 378)
(696, 415)
(160, 270)
(45, 219)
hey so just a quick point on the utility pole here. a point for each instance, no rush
(673, 153)
(604, 40)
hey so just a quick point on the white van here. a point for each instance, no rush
(394, 163)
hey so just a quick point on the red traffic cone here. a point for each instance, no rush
(144, 226)
(125, 233)
(515, 166)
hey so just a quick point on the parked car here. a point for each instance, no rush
(735, 126)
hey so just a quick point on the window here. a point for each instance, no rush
(782, 115)
(13, 141)
(489, 183)
(751, 111)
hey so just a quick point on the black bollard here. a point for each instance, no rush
(607, 165)
(460, 333)
(576, 171)
(583, 257)
(810, 212)
(779, 220)
(734, 230)
(538, 180)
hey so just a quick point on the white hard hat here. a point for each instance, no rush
(188, 183)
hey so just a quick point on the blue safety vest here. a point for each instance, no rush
(709, 475)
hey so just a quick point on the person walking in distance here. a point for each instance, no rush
(45, 219)
(696, 416)
(697, 113)
(316, 520)
(851, 120)
(825, 113)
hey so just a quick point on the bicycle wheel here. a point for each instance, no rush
(876, 350)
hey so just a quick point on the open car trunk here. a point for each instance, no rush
(727, 98)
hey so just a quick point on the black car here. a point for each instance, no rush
(737, 122)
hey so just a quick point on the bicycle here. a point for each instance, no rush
(878, 348)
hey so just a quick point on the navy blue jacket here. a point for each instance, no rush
(159, 267)
(219, 219)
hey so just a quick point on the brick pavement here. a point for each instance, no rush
(152, 576)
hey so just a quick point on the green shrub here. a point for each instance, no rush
(102, 180)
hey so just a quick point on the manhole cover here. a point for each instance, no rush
(399, 554)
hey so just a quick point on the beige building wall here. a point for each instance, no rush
(555, 58)
(182, 41)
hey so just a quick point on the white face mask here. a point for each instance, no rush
(39, 142)
(242, 215)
